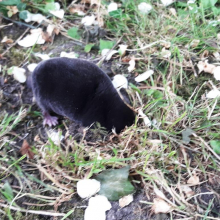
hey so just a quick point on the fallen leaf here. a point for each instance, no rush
(165, 53)
(193, 180)
(7, 40)
(26, 149)
(112, 7)
(214, 93)
(216, 73)
(57, 12)
(34, 17)
(12, 10)
(115, 183)
(144, 7)
(87, 187)
(144, 76)
(119, 81)
(42, 56)
(131, 65)
(205, 66)
(79, 9)
(194, 43)
(32, 66)
(97, 207)
(160, 206)
(50, 29)
(111, 53)
(46, 37)
(166, 44)
(187, 190)
(19, 73)
(35, 37)
(173, 11)
(147, 121)
(167, 2)
(94, 214)
(122, 49)
(69, 55)
(126, 200)
(88, 20)
(55, 136)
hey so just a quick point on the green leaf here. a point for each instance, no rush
(73, 32)
(88, 47)
(7, 192)
(23, 14)
(10, 2)
(50, 6)
(116, 13)
(216, 11)
(216, 146)
(157, 94)
(208, 3)
(115, 183)
(135, 88)
(105, 44)
(21, 6)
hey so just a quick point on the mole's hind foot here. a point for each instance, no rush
(50, 120)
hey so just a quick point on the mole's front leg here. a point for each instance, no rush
(49, 120)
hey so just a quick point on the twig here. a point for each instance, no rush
(32, 211)
(147, 46)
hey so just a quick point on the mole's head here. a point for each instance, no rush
(124, 116)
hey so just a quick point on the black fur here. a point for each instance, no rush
(81, 91)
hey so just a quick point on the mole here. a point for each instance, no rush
(80, 91)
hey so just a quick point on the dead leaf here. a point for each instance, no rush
(46, 37)
(160, 206)
(35, 37)
(131, 65)
(193, 180)
(112, 7)
(187, 190)
(78, 9)
(12, 10)
(206, 67)
(173, 11)
(26, 149)
(144, 76)
(7, 40)
(144, 7)
(165, 53)
(126, 200)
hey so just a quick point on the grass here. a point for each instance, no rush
(160, 157)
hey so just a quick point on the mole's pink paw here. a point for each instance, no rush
(50, 120)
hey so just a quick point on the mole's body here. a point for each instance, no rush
(80, 91)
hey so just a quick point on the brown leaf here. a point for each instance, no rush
(26, 149)
(193, 180)
(47, 37)
(126, 200)
(160, 206)
(7, 40)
